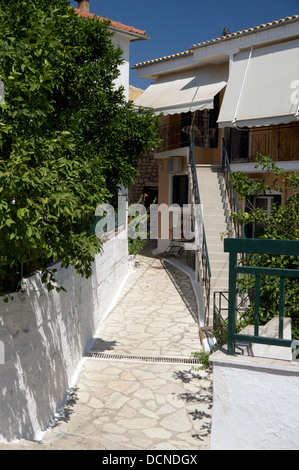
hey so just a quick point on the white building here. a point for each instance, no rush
(123, 35)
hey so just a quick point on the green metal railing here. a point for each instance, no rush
(256, 247)
(206, 270)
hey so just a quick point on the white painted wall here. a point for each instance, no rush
(123, 41)
(45, 335)
(255, 403)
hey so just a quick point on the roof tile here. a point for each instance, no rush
(267, 25)
(223, 38)
(114, 24)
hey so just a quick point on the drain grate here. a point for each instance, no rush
(151, 359)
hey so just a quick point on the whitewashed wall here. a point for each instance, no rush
(123, 41)
(255, 403)
(45, 335)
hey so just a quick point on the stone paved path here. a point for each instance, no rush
(121, 404)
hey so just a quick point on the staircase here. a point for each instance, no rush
(216, 218)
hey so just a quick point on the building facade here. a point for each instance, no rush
(234, 96)
(123, 36)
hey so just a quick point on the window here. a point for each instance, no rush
(260, 202)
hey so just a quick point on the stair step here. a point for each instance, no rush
(214, 244)
(217, 281)
(217, 218)
(219, 271)
(213, 232)
(218, 257)
(212, 226)
(217, 264)
(215, 214)
(216, 226)
(213, 209)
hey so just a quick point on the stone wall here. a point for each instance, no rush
(45, 335)
(147, 179)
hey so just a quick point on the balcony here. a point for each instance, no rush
(280, 142)
(176, 134)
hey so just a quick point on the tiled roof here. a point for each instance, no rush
(222, 38)
(173, 56)
(245, 31)
(113, 24)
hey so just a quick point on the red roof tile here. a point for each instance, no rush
(113, 24)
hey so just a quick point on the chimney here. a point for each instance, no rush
(83, 5)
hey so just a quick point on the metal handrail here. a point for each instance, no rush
(233, 200)
(204, 249)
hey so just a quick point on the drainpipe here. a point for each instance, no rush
(83, 5)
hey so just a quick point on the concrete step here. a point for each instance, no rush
(208, 194)
(214, 225)
(211, 187)
(218, 257)
(214, 222)
(219, 284)
(210, 209)
(217, 264)
(206, 176)
(220, 272)
(214, 232)
(215, 215)
(215, 245)
(263, 350)
(215, 218)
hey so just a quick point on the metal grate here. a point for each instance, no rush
(151, 359)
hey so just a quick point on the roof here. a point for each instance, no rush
(134, 92)
(172, 56)
(246, 31)
(114, 24)
(222, 38)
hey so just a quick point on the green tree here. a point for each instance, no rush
(68, 138)
(281, 223)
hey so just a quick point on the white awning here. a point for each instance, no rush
(263, 87)
(185, 91)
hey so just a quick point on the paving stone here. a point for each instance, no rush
(116, 401)
(126, 405)
(177, 421)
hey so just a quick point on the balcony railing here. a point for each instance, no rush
(257, 247)
(280, 142)
(176, 134)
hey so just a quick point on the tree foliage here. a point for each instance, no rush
(281, 223)
(68, 138)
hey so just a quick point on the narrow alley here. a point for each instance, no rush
(137, 389)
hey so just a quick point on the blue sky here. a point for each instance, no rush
(173, 26)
